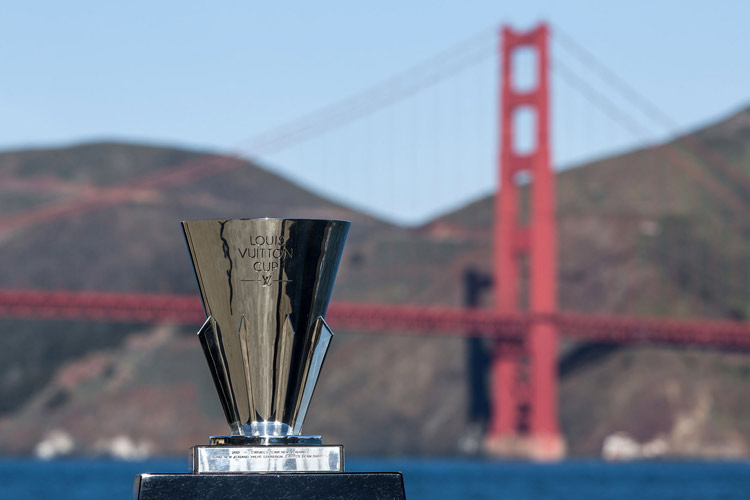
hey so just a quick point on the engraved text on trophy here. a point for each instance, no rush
(266, 254)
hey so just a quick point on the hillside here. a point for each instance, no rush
(668, 221)
(134, 247)
(638, 234)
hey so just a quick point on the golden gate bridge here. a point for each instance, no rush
(523, 369)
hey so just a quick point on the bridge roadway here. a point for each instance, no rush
(399, 319)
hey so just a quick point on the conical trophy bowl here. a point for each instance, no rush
(265, 286)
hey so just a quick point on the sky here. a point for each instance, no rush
(216, 75)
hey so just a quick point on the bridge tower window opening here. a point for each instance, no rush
(524, 131)
(524, 64)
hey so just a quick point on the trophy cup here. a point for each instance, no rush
(265, 286)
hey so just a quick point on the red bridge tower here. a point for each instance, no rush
(524, 374)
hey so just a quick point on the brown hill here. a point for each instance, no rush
(638, 235)
(137, 246)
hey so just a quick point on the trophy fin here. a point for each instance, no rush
(321, 339)
(247, 352)
(284, 348)
(210, 339)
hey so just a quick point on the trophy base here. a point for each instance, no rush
(344, 486)
(284, 458)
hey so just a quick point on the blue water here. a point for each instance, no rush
(424, 479)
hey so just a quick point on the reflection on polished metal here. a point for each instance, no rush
(265, 285)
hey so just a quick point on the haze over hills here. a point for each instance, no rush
(638, 235)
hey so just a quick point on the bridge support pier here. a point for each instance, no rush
(506, 409)
(524, 375)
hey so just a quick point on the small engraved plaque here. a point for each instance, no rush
(213, 459)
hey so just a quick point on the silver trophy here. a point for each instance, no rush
(265, 285)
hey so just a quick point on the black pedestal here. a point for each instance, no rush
(290, 486)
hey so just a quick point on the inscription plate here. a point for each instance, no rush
(214, 459)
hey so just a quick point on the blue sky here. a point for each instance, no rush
(215, 74)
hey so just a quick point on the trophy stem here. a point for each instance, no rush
(264, 440)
